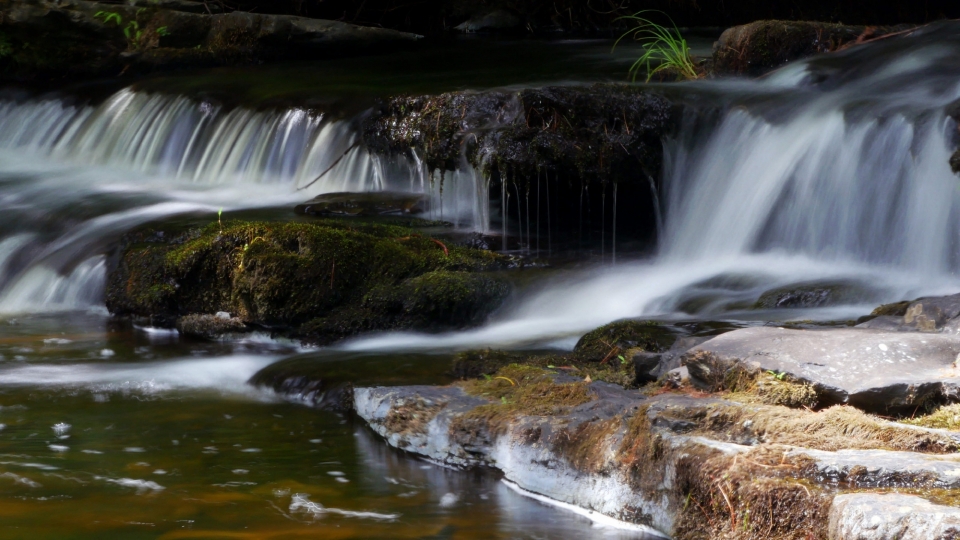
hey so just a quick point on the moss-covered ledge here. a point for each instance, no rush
(318, 281)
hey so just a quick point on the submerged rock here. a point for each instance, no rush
(761, 46)
(812, 295)
(318, 281)
(377, 203)
(873, 370)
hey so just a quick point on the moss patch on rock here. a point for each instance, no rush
(322, 280)
(611, 340)
(515, 391)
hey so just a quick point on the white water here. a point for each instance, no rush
(74, 178)
(227, 375)
(836, 169)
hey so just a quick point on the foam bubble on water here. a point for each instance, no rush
(251, 450)
(449, 500)
(142, 486)
(300, 502)
(58, 447)
(56, 341)
(134, 449)
(61, 428)
(95, 452)
(20, 479)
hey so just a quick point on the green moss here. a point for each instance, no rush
(515, 391)
(946, 417)
(897, 309)
(286, 274)
(609, 341)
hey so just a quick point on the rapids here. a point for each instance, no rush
(831, 170)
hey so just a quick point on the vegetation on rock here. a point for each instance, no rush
(323, 280)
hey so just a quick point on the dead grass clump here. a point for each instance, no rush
(946, 417)
(516, 391)
(772, 391)
(586, 447)
(411, 417)
(837, 428)
(749, 496)
(719, 375)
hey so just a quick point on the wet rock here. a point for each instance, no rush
(318, 281)
(872, 370)
(363, 204)
(615, 338)
(876, 516)
(930, 314)
(601, 132)
(955, 162)
(647, 366)
(756, 48)
(494, 20)
(47, 39)
(211, 327)
(659, 461)
(812, 295)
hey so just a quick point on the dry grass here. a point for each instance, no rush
(412, 417)
(832, 429)
(519, 390)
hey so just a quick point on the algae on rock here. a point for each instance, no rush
(322, 281)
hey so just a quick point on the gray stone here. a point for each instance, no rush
(646, 366)
(870, 369)
(871, 469)
(874, 516)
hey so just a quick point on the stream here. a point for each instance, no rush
(830, 171)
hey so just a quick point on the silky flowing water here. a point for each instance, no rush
(829, 171)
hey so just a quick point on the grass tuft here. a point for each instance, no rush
(664, 47)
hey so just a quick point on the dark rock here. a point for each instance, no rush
(600, 132)
(647, 366)
(210, 327)
(756, 48)
(47, 39)
(376, 203)
(955, 162)
(872, 370)
(811, 295)
(321, 281)
(493, 20)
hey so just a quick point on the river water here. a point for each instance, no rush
(830, 171)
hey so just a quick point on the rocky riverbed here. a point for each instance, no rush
(775, 433)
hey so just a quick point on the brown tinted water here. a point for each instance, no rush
(115, 432)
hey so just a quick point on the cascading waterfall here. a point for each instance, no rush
(834, 169)
(75, 177)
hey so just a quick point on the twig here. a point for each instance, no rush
(733, 513)
(330, 168)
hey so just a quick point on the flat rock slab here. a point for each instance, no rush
(871, 516)
(870, 369)
(865, 469)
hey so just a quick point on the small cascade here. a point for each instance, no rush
(73, 178)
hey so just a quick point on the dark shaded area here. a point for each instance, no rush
(431, 17)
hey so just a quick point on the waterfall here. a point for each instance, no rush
(848, 165)
(73, 178)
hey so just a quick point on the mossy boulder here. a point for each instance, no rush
(319, 281)
(761, 46)
(612, 339)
